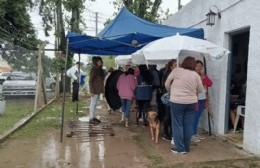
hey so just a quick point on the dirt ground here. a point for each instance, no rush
(111, 145)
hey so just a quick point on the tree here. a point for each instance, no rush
(17, 35)
(15, 23)
(145, 9)
(53, 17)
(21, 59)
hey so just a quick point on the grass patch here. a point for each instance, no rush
(133, 129)
(137, 138)
(49, 118)
(156, 159)
(16, 109)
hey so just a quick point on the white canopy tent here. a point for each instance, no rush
(123, 60)
(173, 47)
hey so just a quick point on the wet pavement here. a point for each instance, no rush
(82, 129)
(88, 146)
(95, 151)
(108, 145)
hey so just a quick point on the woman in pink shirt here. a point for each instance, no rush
(126, 85)
(184, 84)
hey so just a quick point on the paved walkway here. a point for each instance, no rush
(212, 148)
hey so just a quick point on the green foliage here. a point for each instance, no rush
(48, 9)
(25, 60)
(59, 63)
(48, 65)
(146, 9)
(16, 26)
(108, 61)
(2, 8)
(74, 4)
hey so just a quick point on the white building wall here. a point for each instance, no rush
(236, 15)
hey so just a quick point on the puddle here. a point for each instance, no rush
(84, 119)
(91, 146)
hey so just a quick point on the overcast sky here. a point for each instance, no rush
(105, 10)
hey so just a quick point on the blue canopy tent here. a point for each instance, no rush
(126, 34)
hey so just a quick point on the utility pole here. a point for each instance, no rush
(96, 20)
(179, 5)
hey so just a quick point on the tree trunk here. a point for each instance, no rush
(155, 8)
(62, 42)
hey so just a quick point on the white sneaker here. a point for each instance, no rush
(122, 117)
(172, 141)
(126, 122)
(195, 139)
(200, 137)
(140, 120)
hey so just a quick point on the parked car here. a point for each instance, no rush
(19, 84)
(3, 76)
(50, 83)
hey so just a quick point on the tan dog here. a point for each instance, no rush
(154, 123)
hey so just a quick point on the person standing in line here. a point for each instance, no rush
(183, 83)
(167, 116)
(126, 85)
(111, 92)
(96, 86)
(202, 98)
(110, 70)
(143, 94)
(74, 74)
(155, 90)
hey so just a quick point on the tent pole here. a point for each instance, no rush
(77, 103)
(205, 69)
(64, 94)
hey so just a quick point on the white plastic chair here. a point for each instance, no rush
(240, 112)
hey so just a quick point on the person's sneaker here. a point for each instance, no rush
(175, 151)
(126, 122)
(172, 141)
(200, 137)
(140, 120)
(92, 121)
(167, 138)
(122, 118)
(195, 139)
(96, 120)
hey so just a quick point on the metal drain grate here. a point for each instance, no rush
(84, 130)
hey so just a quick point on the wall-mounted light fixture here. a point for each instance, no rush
(211, 16)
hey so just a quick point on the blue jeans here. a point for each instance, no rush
(126, 106)
(197, 116)
(182, 116)
(93, 104)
